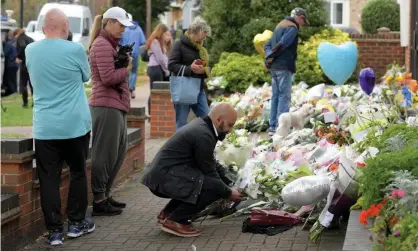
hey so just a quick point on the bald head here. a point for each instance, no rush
(55, 24)
(223, 116)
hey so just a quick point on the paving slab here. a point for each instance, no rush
(136, 229)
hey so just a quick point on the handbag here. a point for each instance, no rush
(184, 90)
(143, 52)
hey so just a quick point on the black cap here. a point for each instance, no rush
(300, 12)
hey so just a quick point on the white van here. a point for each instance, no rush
(31, 27)
(79, 17)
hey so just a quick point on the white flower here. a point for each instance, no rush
(241, 132)
(242, 141)
(389, 92)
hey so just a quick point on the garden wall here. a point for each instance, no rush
(21, 212)
(379, 50)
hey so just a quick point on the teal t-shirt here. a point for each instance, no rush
(58, 69)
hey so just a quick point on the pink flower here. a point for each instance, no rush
(398, 193)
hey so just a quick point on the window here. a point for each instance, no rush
(338, 12)
(86, 24)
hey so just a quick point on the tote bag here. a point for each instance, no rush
(184, 90)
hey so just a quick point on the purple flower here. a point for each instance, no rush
(396, 234)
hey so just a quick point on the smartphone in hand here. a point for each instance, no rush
(199, 62)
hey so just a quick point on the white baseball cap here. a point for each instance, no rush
(119, 14)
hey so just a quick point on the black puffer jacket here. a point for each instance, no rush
(184, 53)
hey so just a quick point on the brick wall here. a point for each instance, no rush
(379, 50)
(19, 176)
(356, 7)
(163, 122)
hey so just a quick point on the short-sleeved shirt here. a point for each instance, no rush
(58, 69)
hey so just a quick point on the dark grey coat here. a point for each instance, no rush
(179, 167)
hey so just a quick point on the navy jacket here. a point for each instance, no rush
(283, 46)
(10, 55)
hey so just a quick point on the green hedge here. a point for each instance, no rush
(240, 71)
(380, 13)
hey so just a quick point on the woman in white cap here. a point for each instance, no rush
(109, 103)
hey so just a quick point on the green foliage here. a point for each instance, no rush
(407, 228)
(307, 64)
(240, 71)
(138, 9)
(235, 23)
(408, 134)
(379, 170)
(380, 13)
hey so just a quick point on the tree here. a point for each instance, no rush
(380, 13)
(31, 9)
(138, 9)
(235, 23)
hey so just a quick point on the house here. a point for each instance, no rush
(345, 14)
(182, 13)
(174, 16)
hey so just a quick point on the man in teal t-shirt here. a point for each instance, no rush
(61, 124)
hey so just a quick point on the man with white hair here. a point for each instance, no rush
(61, 124)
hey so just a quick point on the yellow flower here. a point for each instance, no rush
(399, 78)
(389, 78)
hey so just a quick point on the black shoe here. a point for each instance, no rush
(25, 105)
(116, 203)
(105, 209)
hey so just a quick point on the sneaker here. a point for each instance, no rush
(77, 229)
(271, 131)
(182, 230)
(104, 208)
(116, 203)
(56, 238)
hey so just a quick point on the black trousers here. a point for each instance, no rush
(24, 82)
(181, 212)
(50, 157)
(11, 81)
(155, 73)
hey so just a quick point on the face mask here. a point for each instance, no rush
(221, 136)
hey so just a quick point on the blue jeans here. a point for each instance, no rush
(133, 74)
(200, 109)
(280, 100)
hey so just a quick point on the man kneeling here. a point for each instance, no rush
(186, 171)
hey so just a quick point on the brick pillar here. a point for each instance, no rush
(136, 119)
(163, 120)
(23, 214)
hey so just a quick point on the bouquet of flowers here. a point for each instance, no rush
(217, 83)
(235, 149)
(333, 134)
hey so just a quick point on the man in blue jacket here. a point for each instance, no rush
(281, 55)
(133, 34)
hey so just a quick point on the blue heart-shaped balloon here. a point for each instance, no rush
(338, 61)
